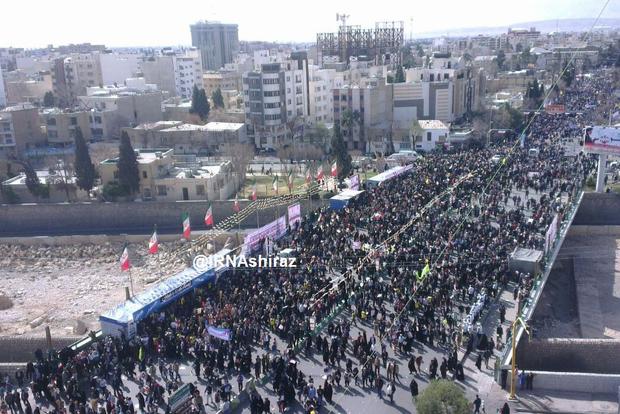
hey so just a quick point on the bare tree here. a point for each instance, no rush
(240, 156)
(61, 173)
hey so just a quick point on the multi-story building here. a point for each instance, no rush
(526, 38)
(31, 89)
(174, 72)
(116, 67)
(72, 75)
(187, 73)
(60, 125)
(224, 80)
(217, 42)
(3, 99)
(276, 101)
(112, 108)
(321, 108)
(20, 129)
(443, 93)
(364, 113)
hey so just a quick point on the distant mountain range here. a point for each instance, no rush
(544, 26)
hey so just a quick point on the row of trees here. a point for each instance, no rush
(200, 104)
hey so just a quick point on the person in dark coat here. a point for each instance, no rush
(413, 387)
(505, 409)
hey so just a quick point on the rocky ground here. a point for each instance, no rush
(67, 287)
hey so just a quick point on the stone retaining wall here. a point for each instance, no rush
(133, 217)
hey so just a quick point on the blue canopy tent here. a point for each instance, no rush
(124, 317)
(342, 199)
(379, 179)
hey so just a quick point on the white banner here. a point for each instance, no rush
(551, 234)
(294, 214)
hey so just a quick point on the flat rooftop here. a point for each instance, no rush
(582, 296)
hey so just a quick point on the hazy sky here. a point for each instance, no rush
(37, 23)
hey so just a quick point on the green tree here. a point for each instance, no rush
(400, 75)
(84, 169)
(339, 150)
(128, 174)
(442, 397)
(568, 76)
(217, 98)
(200, 103)
(48, 99)
(389, 79)
(501, 59)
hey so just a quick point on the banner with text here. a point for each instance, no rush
(294, 214)
(274, 230)
(221, 333)
(551, 234)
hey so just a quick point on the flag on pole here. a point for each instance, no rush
(153, 243)
(254, 191)
(125, 264)
(236, 205)
(274, 184)
(320, 174)
(425, 272)
(187, 230)
(335, 169)
(290, 180)
(209, 217)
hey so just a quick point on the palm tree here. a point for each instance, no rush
(350, 119)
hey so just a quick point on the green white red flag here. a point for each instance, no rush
(334, 169)
(236, 205)
(274, 184)
(187, 230)
(153, 243)
(125, 263)
(209, 217)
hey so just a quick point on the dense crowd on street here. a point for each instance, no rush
(434, 243)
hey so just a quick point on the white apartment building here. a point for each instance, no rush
(116, 67)
(174, 72)
(187, 73)
(321, 109)
(276, 101)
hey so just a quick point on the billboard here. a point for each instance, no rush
(602, 140)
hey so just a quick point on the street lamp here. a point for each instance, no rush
(518, 321)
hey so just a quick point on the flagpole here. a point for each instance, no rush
(157, 255)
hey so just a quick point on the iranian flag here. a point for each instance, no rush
(125, 264)
(274, 184)
(254, 191)
(153, 243)
(290, 180)
(320, 174)
(236, 205)
(334, 169)
(187, 230)
(209, 217)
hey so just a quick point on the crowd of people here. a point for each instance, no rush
(434, 242)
